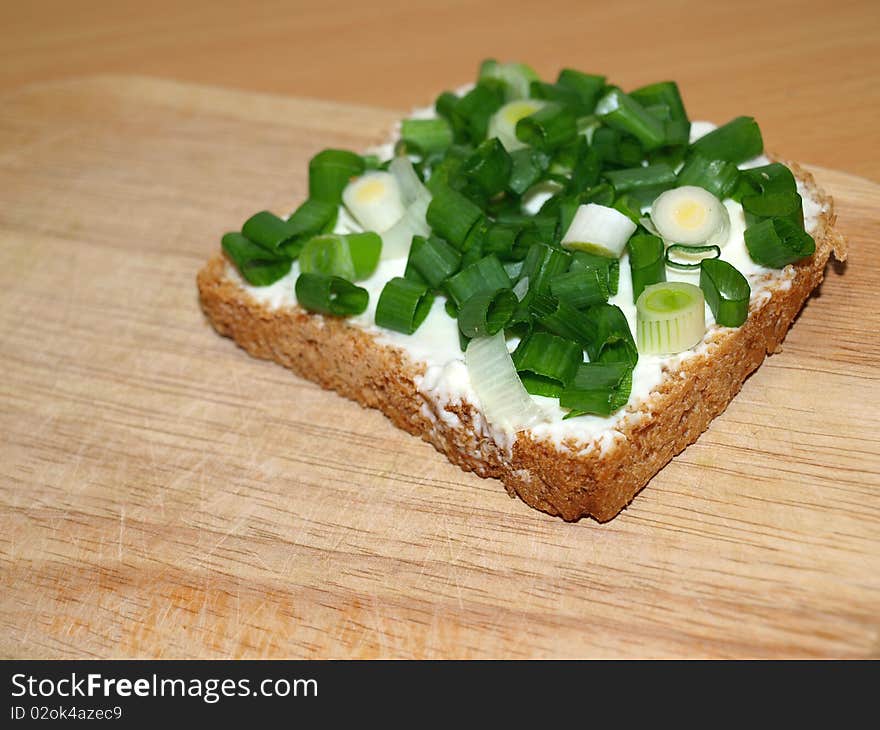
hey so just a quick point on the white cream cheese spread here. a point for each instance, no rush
(435, 343)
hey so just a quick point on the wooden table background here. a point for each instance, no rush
(807, 69)
(160, 494)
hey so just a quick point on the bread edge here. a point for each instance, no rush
(568, 482)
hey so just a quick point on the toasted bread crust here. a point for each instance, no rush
(569, 482)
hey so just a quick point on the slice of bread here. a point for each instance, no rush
(571, 480)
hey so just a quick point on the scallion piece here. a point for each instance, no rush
(546, 362)
(665, 93)
(616, 149)
(737, 141)
(403, 305)
(610, 268)
(774, 205)
(486, 312)
(719, 177)
(598, 229)
(581, 288)
(588, 87)
(727, 292)
(685, 258)
(542, 264)
(487, 274)
(610, 338)
(643, 183)
(258, 265)
(487, 169)
(561, 318)
(549, 128)
(267, 230)
(330, 295)
(772, 178)
(516, 77)
(670, 318)
(527, 168)
(434, 259)
(311, 218)
(426, 136)
(776, 242)
(647, 263)
(597, 388)
(451, 215)
(475, 109)
(622, 112)
(353, 256)
(329, 173)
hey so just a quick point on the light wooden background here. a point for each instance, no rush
(807, 69)
(163, 494)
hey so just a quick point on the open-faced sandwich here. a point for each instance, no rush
(556, 284)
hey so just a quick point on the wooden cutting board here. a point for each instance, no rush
(165, 495)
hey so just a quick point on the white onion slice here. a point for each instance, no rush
(502, 124)
(411, 188)
(375, 201)
(692, 216)
(504, 400)
(599, 229)
(396, 241)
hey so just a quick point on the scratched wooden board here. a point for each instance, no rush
(165, 495)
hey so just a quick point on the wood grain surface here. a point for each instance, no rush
(165, 495)
(807, 69)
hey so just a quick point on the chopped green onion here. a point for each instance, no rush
(643, 183)
(646, 262)
(403, 305)
(670, 318)
(516, 77)
(546, 363)
(396, 241)
(475, 109)
(629, 206)
(727, 292)
(719, 177)
(555, 93)
(549, 128)
(561, 318)
(776, 242)
(581, 288)
(597, 388)
(488, 168)
(330, 295)
(692, 216)
(772, 178)
(258, 266)
(737, 141)
(486, 312)
(586, 86)
(504, 122)
(774, 205)
(610, 268)
(585, 171)
(426, 136)
(329, 173)
(527, 168)
(353, 256)
(683, 257)
(408, 182)
(267, 230)
(599, 229)
(610, 338)
(451, 215)
(311, 218)
(487, 274)
(434, 259)
(622, 112)
(662, 92)
(542, 264)
(616, 149)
